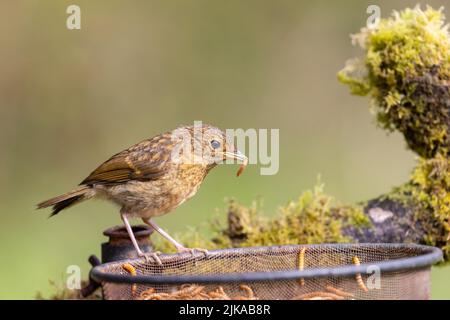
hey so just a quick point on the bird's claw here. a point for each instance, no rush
(151, 257)
(192, 250)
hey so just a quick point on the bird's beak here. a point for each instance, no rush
(237, 155)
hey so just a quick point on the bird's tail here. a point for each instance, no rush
(68, 199)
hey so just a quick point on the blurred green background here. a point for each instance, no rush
(70, 99)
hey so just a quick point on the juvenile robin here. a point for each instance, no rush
(154, 176)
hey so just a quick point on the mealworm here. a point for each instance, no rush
(156, 296)
(204, 296)
(132, 271)
(188, 293)
(219, 293)
(195, 292)
(248, 290)
(301, 264)
(129, 268)
(186, 290)
(242, 167)
(148, 291)
(358, 277)
(316, 295)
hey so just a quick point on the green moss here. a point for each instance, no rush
(427, 194)
(313, 218)
(406, 72)
(430, 186)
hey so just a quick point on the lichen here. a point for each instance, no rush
(406, 72)
(313, 218)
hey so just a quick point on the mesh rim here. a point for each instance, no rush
(426, 256)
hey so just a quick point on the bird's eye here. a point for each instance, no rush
(215, 144)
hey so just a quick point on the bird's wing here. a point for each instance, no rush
(144, 161)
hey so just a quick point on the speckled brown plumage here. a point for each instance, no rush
(145, 180)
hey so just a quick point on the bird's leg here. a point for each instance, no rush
(131, 234)
(178, 246)
(154, 255)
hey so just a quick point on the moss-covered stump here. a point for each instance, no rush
(406, 73)
(417, 211)
(314, 217)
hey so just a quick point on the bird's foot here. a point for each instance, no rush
(192, 250)
(151, 257)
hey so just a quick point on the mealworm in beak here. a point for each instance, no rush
(242, 167)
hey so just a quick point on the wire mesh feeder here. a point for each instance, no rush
(325, 271)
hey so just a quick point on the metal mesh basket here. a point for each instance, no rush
(325, 271)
